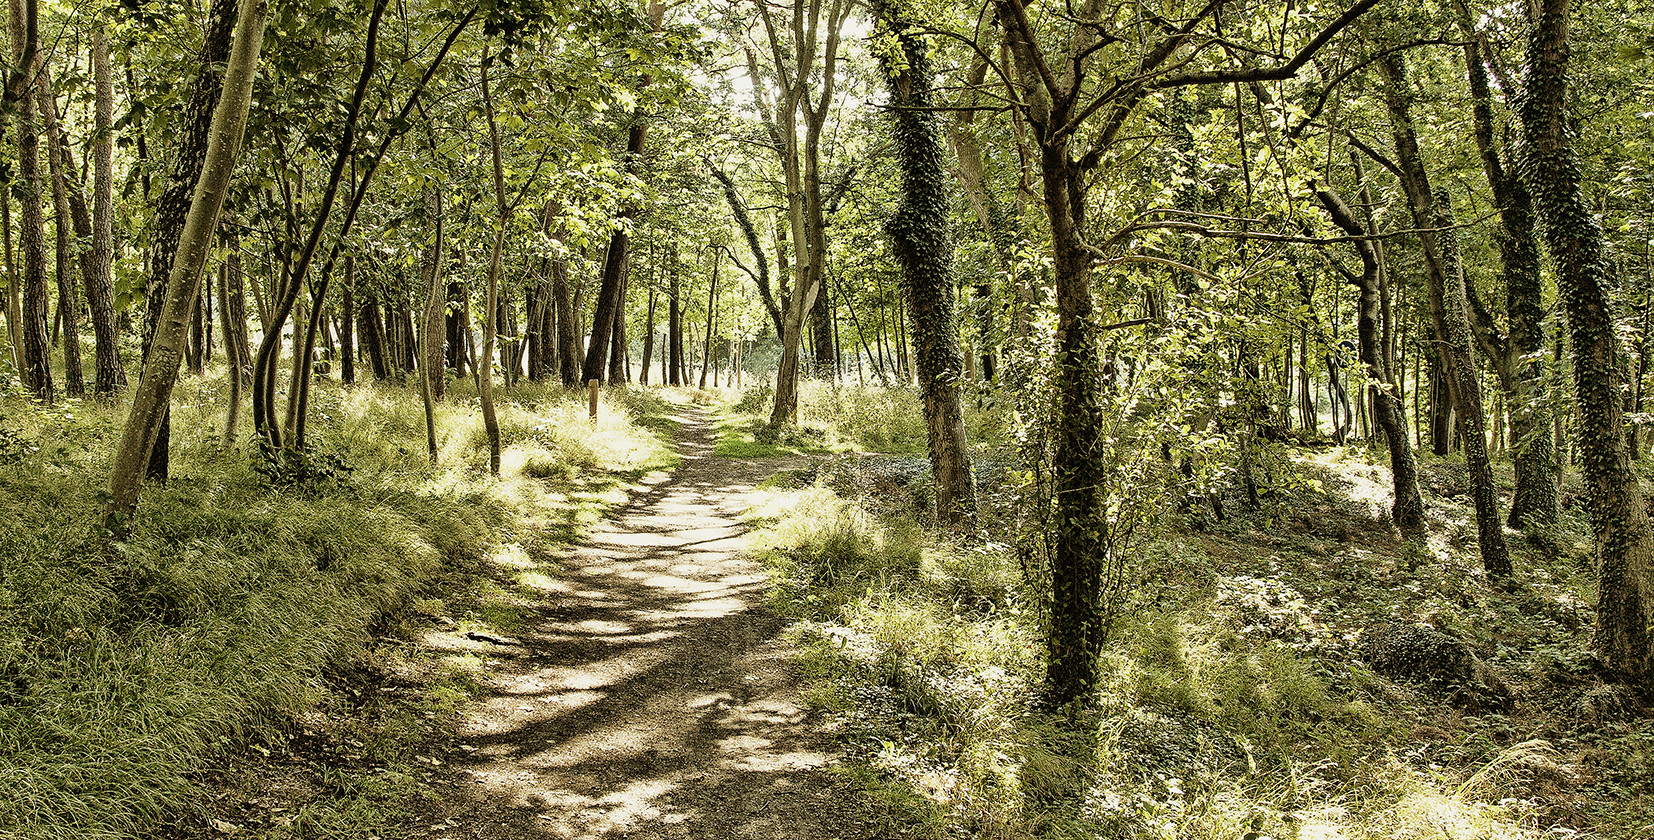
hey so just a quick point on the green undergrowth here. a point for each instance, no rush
(127, 671)
(1232, 702)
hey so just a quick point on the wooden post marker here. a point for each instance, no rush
(591, 387)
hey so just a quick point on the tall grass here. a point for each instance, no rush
(124, 669)
(1208, 724)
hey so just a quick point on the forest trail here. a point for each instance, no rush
(651, 695)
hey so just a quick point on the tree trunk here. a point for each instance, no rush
(569, 359)
(1625, 542)
(37, 365)
(154, 389)
(619, 372)
(68, 234)
(372, 328)
(1408, 510)
(173, 204)
(233, 362)
(674, 330)
(1518, 357)
(919, 235)
(1449, 315)
(648, 337)
(347, 318)
(711, 312)
(266, 362)
(433, 373)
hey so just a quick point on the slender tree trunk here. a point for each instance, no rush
(1450, 316)
(648, 336)
(266, 362)
(14, 288)
(619, 373)
(154, 389)
(432, 370)
(674, 330)
(233, 362)
(347, 318)
(173, 204)
(1625, 542)
(485, 391)
(711, 312)
(68, 233)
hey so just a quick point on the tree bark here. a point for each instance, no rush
(711, 312)
(1408, 510)
(20, 87)
(1625, 542)
(1449, 315)
(68, 234)
(347, 318)
(919, 235)
(433, 371)
(1519, 356)
(154, 389)
(172, 206)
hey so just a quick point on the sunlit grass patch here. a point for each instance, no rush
(125, 671)
(846, 418)
(1230, 706)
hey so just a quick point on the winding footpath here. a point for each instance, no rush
(650, 695)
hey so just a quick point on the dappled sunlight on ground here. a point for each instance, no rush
(649, 694)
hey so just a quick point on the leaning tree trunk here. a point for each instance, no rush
(1449, 315)
(1408, 510)
(183, 285)
(1625, 542)
(919, 235)
(173, 205)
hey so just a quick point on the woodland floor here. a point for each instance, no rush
(647, 694)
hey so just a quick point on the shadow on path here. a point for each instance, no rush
(650, 695)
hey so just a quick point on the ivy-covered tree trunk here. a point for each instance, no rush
(1408, 510)
(1449, 314)
(1518, 355)
(1076, 630)
(1625, 542)
(919, 236)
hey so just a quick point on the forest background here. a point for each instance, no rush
(1146, 283)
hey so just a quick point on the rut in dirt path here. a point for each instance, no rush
(652, 697)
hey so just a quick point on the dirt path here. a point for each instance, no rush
(652, 696)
